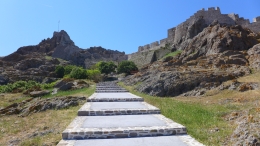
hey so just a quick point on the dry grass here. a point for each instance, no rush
(42, 128)
(8, 99)
(250, 78)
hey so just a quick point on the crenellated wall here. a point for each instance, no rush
(181, 32)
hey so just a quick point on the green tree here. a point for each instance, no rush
(78, 73)
(59, 70)
(126, 67)
(106, 67)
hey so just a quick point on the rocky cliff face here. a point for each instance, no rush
(217, 54)
(83, 57)
(38, 62)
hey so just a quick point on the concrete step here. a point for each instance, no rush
(116, 108)
(110, 89)
(175, 140)
(114, 97)
(121, 126)
(114, 91)
(108, 86)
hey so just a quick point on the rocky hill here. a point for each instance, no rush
(38, 62)
(219, 53)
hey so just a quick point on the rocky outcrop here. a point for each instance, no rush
(247, 128)
(34, 105)
(29, 63)
(39, 93)
(217, 39)
(217, 54)
(68, 84)
(254, 56)
(3, 80)
(67, 50)
(187, 31)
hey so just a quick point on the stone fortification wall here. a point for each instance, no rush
(255, 26)
(194, 25)
(153, 46)
(141, 58)
(146, 57)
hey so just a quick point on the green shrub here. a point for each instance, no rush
(68, 69)
(94, 75)
(78, 73)
(126, 67)
(48, 86)
(59, 70)
(106, 67)
(21, 86)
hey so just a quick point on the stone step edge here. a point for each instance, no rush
(117, 112)
(187, 139)
(121, 133)
(115, 100)
(110, 91)
(86, 110)
(75, 131)
(135, 98)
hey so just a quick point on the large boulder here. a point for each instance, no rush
(3, 80)
(64, 84)
(254, 56)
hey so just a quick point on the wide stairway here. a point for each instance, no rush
(114, 117)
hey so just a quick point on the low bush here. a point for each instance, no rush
(59, 70)
(94, 75)
(21, 86)
(126, 67)
(78, 73)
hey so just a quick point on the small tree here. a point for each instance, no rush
(59, 70)
(106, 67)
(78, 73)
(126, 67)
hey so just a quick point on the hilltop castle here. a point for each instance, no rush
(175, 34)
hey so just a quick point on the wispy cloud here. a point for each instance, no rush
(47, 5)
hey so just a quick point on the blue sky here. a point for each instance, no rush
(113, 24)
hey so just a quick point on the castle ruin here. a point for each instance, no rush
(175, 34)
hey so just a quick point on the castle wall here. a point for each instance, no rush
(180, 33)
(255, 26)
(257, 19)
(141, 58)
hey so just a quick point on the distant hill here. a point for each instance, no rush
(37, 62)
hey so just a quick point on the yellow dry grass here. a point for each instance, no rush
(43, 128)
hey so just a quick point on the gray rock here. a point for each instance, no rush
(49, 80)
(254, 56)
(3, 80)
(39, 93)
(64, 85)
(166, 59)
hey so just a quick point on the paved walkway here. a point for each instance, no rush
(114, 117)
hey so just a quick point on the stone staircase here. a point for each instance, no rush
(113, 116)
